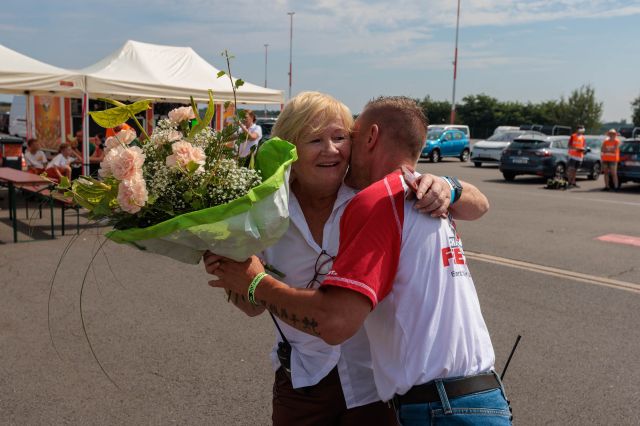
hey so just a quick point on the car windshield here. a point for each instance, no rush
(529, 144)
(434, 134)
(504, 137)
(630, 148)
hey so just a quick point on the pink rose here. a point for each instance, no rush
(122, 138)
(128, 163)
(184, 153)
(181, 114)
(132, 194)
(122, 163)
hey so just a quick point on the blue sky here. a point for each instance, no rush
(357, 49)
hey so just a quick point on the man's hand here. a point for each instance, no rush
(433, 194)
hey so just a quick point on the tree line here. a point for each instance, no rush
(483, 113)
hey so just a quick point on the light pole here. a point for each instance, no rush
(266, 47)
(290, 50)
(455, 69)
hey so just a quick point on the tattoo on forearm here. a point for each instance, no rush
(306, 324)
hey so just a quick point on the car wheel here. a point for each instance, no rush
(435, 156)
(508, 176)
(595, 171)
(464, 155)
(560, 170)
(477, 163)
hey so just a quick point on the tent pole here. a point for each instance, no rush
(85, 134)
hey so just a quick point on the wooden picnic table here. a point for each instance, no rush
(15, 179)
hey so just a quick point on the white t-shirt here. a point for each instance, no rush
(244, 148)
(426, 321)
(295, 255)
(60, 161)
(37, 160)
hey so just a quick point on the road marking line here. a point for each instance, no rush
(561, 273)
(620, 239)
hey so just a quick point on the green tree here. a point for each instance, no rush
(437, 112)
(635, 115)
(582, 107)
(478, 112)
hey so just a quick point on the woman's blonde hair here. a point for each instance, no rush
(308, 113)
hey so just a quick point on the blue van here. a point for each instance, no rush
(446, 143)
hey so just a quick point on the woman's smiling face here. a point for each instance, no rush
(323, 155)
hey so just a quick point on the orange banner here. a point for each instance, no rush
(47, 120)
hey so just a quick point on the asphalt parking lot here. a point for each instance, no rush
(178, 353)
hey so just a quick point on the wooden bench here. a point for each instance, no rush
(45, 194)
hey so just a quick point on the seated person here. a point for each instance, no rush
(96, 157)
(34, 157)
(75, 143)
(60, 165)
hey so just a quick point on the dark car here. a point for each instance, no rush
(267, 125)
(544, 156)
(629, 165)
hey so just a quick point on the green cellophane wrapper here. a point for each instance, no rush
(237, 229)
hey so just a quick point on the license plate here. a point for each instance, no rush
(519, 160)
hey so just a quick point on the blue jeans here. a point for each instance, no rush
(483, 408)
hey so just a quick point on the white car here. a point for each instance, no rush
(490, 150)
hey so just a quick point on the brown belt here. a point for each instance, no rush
(428, 392)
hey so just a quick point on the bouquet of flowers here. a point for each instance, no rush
(183, 190)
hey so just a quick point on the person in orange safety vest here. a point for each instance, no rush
(577, 148)
(610, 155)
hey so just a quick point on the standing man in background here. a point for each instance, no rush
(577, 148)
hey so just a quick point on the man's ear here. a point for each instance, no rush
(374, 133)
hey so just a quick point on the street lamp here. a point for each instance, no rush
(290, 50)
(266, 47)
(455, 69)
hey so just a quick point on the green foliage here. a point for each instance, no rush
(437, 112)
(483, 113)
(635, 114)
(113, 117)
(208, 116)
(583, 108)
(239, 82)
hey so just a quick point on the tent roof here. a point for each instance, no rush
(20, 74)
(166, 73)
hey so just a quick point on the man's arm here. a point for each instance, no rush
(333, 314)
(434, 197)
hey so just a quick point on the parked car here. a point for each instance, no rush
(544, 156)
(446, 143)
(442, 127)
(629, 165)
(629, 132)
(595, 142)
(490, 150)
(267, 125)
(553, 130)
(502, 129)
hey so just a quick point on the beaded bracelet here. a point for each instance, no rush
(252, 287)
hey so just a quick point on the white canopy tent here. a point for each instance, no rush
(20, 74)
(166, 74)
